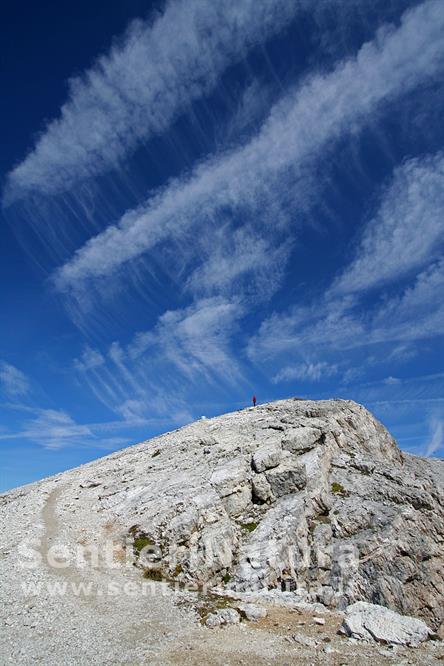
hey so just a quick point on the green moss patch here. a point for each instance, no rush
(248, 527)
(338, 489)
(212, 604)
(141, 542)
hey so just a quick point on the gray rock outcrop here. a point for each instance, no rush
(223, 616)
(315, 493)
(253, 612)
(376, 623)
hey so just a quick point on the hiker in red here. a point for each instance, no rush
(254, 401)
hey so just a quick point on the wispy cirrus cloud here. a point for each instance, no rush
(339, 324)
(155, 374)
(402, 241)
(436, 442)
(253, 104)
(320, 325)
(194, 340)
(146, 80)
(50, 428)
(407, 231)
(416, 313)
(311, 372)
(250, 177)
(56, 429)
(13, 382)
(238, 261)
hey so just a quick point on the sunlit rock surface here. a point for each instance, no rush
(311, 498)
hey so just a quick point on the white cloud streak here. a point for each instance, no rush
(301, 329)
(137, 89)
(338, 323)
(311, 372)
(238, 261)
(194, 340)
(13, 382)
(56, 429)
(402, 239)
(437, 439)
(417, 313)
(407, 230)
(308, 119)
(50, 428)
(157, 372)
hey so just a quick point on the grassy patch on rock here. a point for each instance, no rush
(248, 527)
(141, 542)
(213, 603)
(339, 489)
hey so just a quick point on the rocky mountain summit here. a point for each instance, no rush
(313, 497)
(311, 502)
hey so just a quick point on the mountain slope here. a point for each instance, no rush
(311, 497)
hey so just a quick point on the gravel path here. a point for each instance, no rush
(59, 625)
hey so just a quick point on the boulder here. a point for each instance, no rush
(299, 440)
(223, 616)
(266, 457)
(228, 478)
(371, 622)
(287, 478)
(319, 620)
(237, 502)
(253, 612)
(91, 483)
(261, 489)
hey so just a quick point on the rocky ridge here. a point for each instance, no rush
(313, 497)
(308, 501)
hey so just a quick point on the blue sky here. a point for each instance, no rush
(206, 200)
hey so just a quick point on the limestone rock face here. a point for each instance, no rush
(338, 509)
(314, 497)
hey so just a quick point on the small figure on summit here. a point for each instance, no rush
(254, 401)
